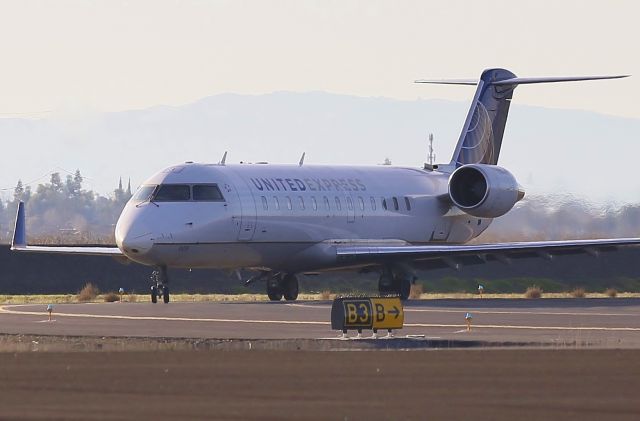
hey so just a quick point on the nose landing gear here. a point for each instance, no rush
(159, 287)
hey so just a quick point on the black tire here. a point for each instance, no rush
(154, 294)
(384, 288)
(290, 287)
(274, 295)
(165, 294)
(403, 288)
(274, 289)
(386, 284)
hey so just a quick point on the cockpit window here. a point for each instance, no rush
(173, 193)
(143, 193)
(207, 192)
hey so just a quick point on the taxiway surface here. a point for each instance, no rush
(588, 322)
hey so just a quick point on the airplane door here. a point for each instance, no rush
(245, 212)
(248, 215)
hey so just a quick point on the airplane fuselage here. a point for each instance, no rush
(284, 217)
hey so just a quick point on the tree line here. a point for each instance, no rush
(63, 211)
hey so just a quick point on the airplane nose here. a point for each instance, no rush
(133, 233)
(135, 243)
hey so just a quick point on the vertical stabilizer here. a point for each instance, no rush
(481, 136)
(19, 231)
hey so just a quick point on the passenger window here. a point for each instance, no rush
(408, 203)
(207, 193)
(276, 203)
(265, 206)
(338, 204)
(384, 203)
(373, 203)
(349, 203)
(326, 203)
(314, 204)
(395, 203)
(289, 206)
(173, 193)
(361, 203)
(301, 200)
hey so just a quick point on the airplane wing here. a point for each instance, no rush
(455, 255)
(19, 242)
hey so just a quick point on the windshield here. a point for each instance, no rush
(173, 193)
(143, 193)
(207, 193)
(179, 193)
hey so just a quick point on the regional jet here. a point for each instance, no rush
(280, 221)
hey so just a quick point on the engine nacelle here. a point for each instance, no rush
(484, 191)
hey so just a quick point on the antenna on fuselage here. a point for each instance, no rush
(224, 158)
(302, 159)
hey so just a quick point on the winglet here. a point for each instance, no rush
(301, 159)
(19, 231)
(224, 159)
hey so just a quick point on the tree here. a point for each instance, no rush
(78, 179)
(56, 183)
(18, 192)
(74, 184)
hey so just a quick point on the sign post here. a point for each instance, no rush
(367, 314)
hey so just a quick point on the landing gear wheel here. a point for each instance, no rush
(385, 283)
(165, 294)
(274, 289)
(154, 294)
(403, 288)
(290, 287)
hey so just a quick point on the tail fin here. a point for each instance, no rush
(481, 137)
(19, 232)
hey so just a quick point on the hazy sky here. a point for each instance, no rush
(77, 56)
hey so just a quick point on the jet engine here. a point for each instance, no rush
(484, 191)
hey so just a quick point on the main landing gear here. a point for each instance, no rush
(159, 287)
(283, 286)
(395, 282)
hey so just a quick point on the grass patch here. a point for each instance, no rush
(325, 295)
(144, 298)
(88, 293)
(416, 292)
(111, 297)
(533, 292)
(579, 293)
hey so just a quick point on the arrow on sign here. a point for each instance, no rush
(395, 311)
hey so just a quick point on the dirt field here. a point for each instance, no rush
(393, 385)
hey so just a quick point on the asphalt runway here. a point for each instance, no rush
(606, 323)
(521, 384)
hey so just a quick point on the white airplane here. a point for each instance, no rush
(284, 220)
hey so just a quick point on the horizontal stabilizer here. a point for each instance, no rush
(518, 80)
(529, 80)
